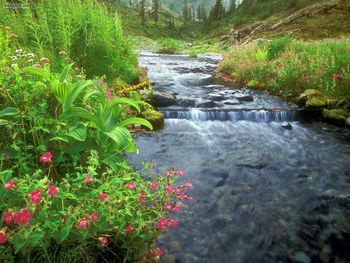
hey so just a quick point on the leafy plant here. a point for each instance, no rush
(168, 46)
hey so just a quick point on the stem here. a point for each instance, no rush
(46, 254)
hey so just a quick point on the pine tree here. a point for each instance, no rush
(199, 13)
(217, 12)
(155, 9)
(142, 12)
(203, 13)
(185, 12)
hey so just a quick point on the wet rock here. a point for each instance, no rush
(310, 93)
(175, 246)
(162, 99)
(244, 97)
(336, 116)
(216, 97)
(231, 102)
(316, 102)
(301, 257)
(325, 254)
(207, 104)
(286, 125)
(215, 87)
(347, 122)
(186, 102)
(156, 118)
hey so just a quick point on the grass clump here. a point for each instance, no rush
(290, 66)
(168, 46)
(81, 31)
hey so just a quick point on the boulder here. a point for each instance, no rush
(186, 103)
(336, 116)
(162, 99)
(216, 97)
(347, 122)
(156, 118)
(244, 97)
(231, 102)
(207, 104)
(286, 125)
(316, 102)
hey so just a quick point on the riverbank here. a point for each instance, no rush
(314, 74)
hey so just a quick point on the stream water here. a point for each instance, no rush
(261, 193)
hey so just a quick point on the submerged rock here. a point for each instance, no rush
(207, 104)
(286, 125)
(244, 97)
(216, 97)
(162, 99)
(336, 116)
(186, 102)
(231, 102)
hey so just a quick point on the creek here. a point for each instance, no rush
(261, 192)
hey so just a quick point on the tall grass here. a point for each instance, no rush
(292, 66)
(84, 29)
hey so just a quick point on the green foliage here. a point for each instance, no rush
(168, 46)
(84, 30)
(292, 66)
(67, 194)
(193, 54)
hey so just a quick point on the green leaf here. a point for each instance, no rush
(78, 112)
(64, 233)
(136, 120)
(60, 91)
(63, 76)
(73, 95)
(78, 132)
(40, 72)
(19, 242)
(121, 136)
(60, 138)
(116, 162)
(117, 101)
(35, 237)
(10, 111)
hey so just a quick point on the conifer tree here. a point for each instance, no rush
(142, 12)
(199, 13)
(155, 9)
(185, 12)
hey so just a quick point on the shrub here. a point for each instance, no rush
(193, 54)
(292, 66)
(168, 46)
(66, 193)
(82, 31)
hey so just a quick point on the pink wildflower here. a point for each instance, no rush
(10, 184)
(153, 186)
(88, 179)
(3, 237)
(142, 197)
(167, 206)
(129, 229)
(37, 65)
(162, 224)
(177, 208)
(173, 223)
(53, 190)
(187, 185)
(44, 60)
(83, 223)
(102, 196)
(46, 158)
(130, 186)
(169, 190)
(335, 76)
(180, 172)
(109, 94)
(22, 217)
(35, 196)
(103, 241)
(94, 217)
(159, 252)
(8, 217)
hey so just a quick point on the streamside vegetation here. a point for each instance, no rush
(67, 118)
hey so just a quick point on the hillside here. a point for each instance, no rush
(303, 19)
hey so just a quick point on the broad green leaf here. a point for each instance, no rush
(64, 233)
(117, 101)
(64, 73)
(10, 111)
(136, 120)
(19, 242)
(116, 162)
(60, 91)
(73, 95)
(78, 112)
(35, 236)
(78, 132)
(37, 71)
(60, 138)
(121, 136)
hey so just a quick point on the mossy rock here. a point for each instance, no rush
(310, 93)
(156, 118)
(336, 116)
(347, 122)
(316, 102)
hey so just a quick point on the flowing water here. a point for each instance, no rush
(261, 193)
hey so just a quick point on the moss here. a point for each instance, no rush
(316, 102)
(336, 116)
(310, 93)
(156, 118)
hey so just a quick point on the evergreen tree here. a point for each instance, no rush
(204, 13)
(199, 13)
(217, 12)
(185, 12)
(142, 12)
(155, 9)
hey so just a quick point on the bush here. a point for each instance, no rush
(168, 46)
(292, 66)
(82, 31)
(67, 194)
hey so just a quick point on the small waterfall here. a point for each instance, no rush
(247, 115)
